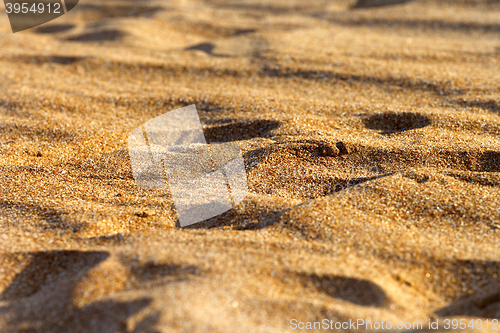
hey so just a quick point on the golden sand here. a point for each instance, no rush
(371, 143)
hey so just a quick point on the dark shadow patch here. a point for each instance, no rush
(239, 32)
(488, 105)
(208, 48)
(378, 3)
(52, 276)
(357, 291)
(205, 47)
(490, 161)
(62, 60)
(391, 122)
(40, 60)
(240, 130)
(343, 148)
(46, 268)
(99, 36)
(54, 28)
(110, 11)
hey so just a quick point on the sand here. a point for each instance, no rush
(371, 144)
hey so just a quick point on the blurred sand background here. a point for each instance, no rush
(371, 143)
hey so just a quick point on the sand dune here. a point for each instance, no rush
(371, 144)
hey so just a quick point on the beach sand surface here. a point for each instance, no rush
(371, 140)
